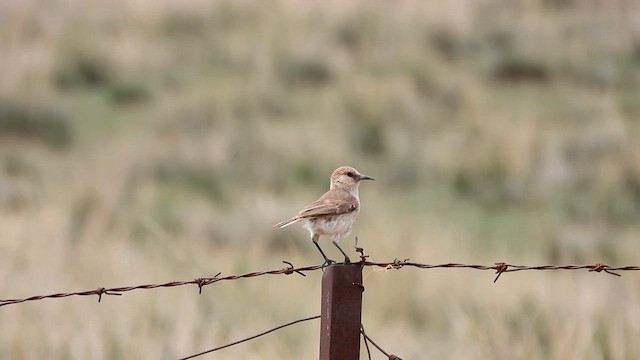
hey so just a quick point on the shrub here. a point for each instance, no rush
(521, 69)
(83, 70)
(38, 122)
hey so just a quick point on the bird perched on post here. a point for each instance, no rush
(334, 212)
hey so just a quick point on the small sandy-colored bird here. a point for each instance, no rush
(334, 212)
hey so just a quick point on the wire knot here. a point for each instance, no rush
(100, 291)
(599, 267)
(205, 281)
(397, 264)
(200, 282)
(290, 270)
(500, 268)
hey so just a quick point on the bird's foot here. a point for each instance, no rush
(328, 262)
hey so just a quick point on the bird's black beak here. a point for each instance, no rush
(365, 177)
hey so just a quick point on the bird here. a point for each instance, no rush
(334, 213)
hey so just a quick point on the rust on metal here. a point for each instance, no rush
(341, 312)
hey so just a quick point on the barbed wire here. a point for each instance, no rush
(499, 268)
(251, 337)
(200, 282)
(367, 339)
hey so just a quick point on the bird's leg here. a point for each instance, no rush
(346, 258)
(327, 261)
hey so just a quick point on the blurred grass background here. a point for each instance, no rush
(148, 141)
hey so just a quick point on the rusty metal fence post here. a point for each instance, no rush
(341, 312)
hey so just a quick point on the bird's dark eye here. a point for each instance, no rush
(350, 174)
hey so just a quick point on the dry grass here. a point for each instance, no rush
(498, 131)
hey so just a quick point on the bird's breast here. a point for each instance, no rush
(332, 225)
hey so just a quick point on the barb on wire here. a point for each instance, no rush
(499, 268)
(602, 267)
(200, 282)
(101, 291)
(368, 339)
(292, 269)
(251, 337)
(360, 250)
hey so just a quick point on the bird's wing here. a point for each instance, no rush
(331, 203)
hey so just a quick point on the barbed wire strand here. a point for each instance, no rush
(200, 282)
(251, 337)
(499, 268)
(368, 339)
(366, 343)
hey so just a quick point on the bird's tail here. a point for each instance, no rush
(285, 223)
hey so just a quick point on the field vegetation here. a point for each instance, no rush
(148, 141)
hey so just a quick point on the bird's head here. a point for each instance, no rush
(347, 178)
